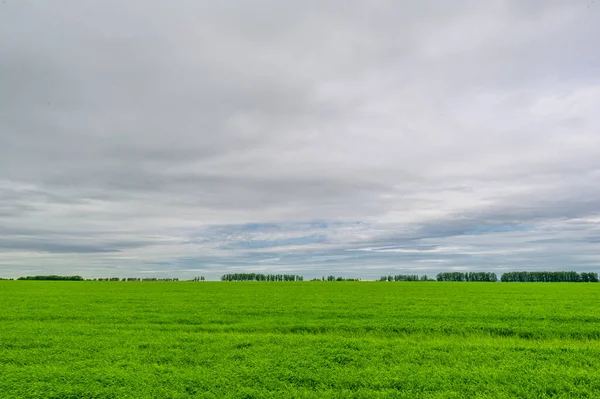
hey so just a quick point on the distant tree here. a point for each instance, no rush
(404, 277)
(589, 277)
(469, 276)
(260, 277)
(548, 277)
(334, 278)
(53, 278)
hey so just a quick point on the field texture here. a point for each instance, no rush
(299, 340)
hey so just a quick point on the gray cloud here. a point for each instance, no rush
(146, 136)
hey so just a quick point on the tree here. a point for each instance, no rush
(260, 277)
(549, 277)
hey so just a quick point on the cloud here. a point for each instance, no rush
(195, 136)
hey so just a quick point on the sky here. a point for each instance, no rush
(186, 138)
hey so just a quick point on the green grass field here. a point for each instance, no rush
(299, 340)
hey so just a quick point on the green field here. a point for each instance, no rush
(299, 340)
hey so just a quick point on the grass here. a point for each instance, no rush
(299, 340)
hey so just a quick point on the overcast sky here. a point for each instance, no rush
(357, 138)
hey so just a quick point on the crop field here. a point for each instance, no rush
(299, 340)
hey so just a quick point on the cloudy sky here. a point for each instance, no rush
(183, 138)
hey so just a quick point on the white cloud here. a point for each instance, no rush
(141, 133)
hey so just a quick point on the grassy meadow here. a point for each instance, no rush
(299, 340)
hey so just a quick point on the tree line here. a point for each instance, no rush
(132, 279)
(260, 277)
(53, 277)
(522, 276)
(334, 278)
(404, 277)
(550, 277)
(468, 276)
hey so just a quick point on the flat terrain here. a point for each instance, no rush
(301, 340)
